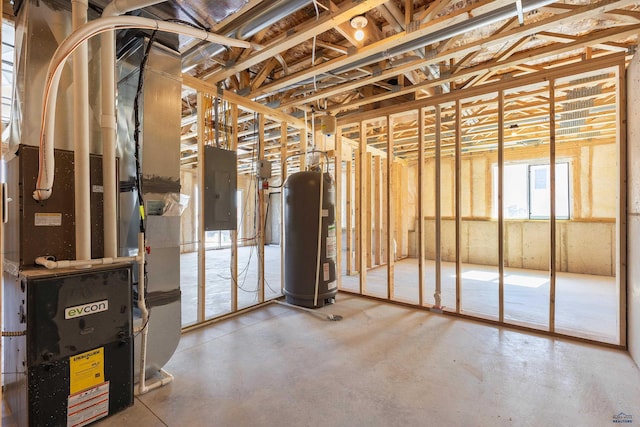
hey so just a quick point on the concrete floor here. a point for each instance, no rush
(586, 305)
(384, 365)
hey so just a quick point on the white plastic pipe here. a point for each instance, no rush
(108, 121)
(52, 265)
(45, 178)
(142, 305)
(81, 174)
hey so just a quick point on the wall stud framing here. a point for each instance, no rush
(201, 184)
(552, 205)
(377, 214)
(234, 233)
(501, 206)
(390, 210)
(349, 215)
(362, 218)
(283, 176)
(458, 191)
(368, 189)
(421, 210)
(438, 161)
(338, 204)
(262, 200)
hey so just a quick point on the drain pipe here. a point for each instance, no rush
(108, 121)
(44, 182)
(81, 136)
(142, 305)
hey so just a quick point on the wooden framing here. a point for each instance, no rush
(234, 233)
(621, 214)
(501, 232)
(362, 218)
(368, 189)
(438, 291)
(338, 204)
(262, 200)
(349, 214)
(552, 205)
(283, 176)
(201, 233)
(377, 209)
(457, 207)
(421, 210)
(390, 211)
(358, 208)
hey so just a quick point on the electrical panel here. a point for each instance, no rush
(220, 186)
(263, 169)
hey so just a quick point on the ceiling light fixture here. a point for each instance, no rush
(358, 23)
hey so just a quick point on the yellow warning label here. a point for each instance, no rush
(86, 370)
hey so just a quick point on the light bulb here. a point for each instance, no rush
(359, 35)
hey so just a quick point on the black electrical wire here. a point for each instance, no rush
(136, 131)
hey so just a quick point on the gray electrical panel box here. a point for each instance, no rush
(220, 185)
(264, 169)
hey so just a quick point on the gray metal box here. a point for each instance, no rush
(220, 185)
(47, 228)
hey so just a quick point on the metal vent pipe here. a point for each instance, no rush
(255, 22)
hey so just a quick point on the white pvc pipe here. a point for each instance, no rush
(82, 181)
(142, 305)
(108, 122)
(44, 181)
(52, 265)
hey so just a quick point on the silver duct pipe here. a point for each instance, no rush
(255, 22)
(470, 24)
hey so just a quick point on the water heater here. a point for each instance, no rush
(301, 220)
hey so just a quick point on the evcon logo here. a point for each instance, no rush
(86, 309)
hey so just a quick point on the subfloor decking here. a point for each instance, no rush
(586, 305)
(384, 365)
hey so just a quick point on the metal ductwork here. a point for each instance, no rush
(470, 24)
(254, 22)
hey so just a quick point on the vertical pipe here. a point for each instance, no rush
(438, 224)
(458, 187)
(202, 279)
(621, 208)
(390, 210)
(234, 233)
(261, 213)
(283, 177)
(552, 205)
(501, 206)
(421, 240)
(338, 166)
(109, 129)
(142, 305)
(82, 184)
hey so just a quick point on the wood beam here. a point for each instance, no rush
(234, 98)
(562, 71)
(297, 36)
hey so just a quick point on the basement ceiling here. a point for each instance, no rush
(306, 60)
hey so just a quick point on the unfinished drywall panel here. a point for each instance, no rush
(633, 208)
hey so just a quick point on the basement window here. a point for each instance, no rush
(526, 191)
